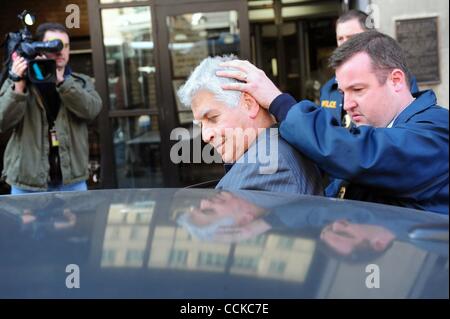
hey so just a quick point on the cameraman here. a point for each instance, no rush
(48, 149)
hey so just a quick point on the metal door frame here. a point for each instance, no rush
(159, 9)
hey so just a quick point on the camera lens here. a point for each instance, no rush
(42, 71)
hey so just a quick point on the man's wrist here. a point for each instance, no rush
(281, 105)
(14, 76)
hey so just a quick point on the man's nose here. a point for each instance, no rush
(207, 134)
(349, 103)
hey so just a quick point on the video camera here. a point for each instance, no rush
(39, 70)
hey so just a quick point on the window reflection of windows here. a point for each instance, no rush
(256, 241)
(135, 257)
(247, 263)
(286, 242)
(178, 257)
(277, 267)
(211, 260)
(142, 218)
(112, 233)
(108, 257)
(138, 233)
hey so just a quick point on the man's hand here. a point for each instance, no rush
(19, 67)
(256, 83)
(59, 75)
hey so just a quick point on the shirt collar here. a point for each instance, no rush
(392, 122)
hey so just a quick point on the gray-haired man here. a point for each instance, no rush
(246, 137)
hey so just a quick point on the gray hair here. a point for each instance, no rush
(205, 232)
(204, 78)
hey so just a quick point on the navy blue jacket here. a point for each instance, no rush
(333, 100)
(406, 165)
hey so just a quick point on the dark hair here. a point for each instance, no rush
(385, 53)
(49, 26)
(355, 15)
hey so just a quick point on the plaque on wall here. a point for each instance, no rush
(419, 39)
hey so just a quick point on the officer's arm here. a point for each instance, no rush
(402, 161)
(80, 98)
(12, 106)
(281, 106)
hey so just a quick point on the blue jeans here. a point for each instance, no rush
(76, 187)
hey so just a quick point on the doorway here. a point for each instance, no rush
(143, 52)
(292, 41)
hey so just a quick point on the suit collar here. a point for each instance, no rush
(424, 100)
(228, 167)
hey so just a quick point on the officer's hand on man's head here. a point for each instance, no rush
(253, 81)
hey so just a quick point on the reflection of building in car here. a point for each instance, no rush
(126, 243)
(127, 229)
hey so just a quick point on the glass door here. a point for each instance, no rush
(133, 108)
(126, 70)
(138, 71)
(189, 34)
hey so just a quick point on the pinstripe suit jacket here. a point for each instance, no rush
(271, 164)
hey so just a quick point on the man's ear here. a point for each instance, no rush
(252, 107)
(379, 245)
(398, 80)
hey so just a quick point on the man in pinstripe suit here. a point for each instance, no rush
(246, 137)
